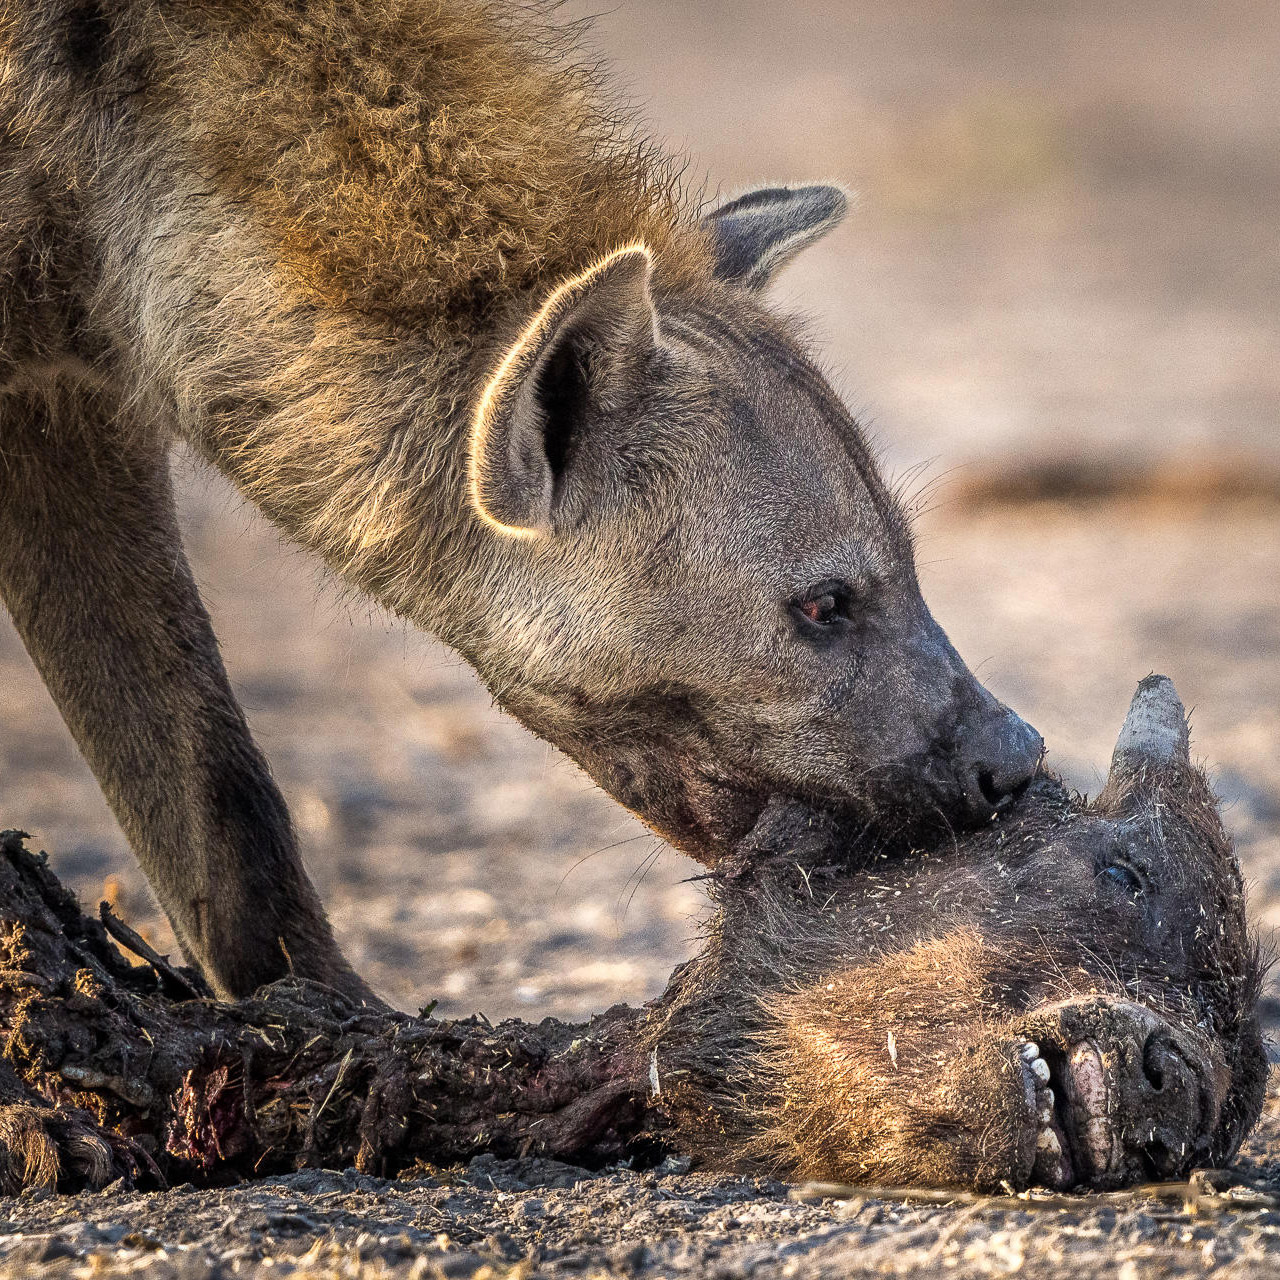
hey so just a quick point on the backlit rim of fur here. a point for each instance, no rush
(496, 386)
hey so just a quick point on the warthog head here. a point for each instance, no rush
(1066, 999)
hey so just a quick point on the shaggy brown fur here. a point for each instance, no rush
(402, 271)
(391, 181)
(483, 164)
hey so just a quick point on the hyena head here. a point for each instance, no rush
(708, 593)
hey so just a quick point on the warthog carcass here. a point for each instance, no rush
(1066, 998)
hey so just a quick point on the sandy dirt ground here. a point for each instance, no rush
(1066, 252)
(514, 1219)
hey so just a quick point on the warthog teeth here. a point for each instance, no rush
(1047, 1141)
(1044, 1102)
(1089, 1098)
(1052, 1165)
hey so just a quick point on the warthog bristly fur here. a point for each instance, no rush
(872, 1027)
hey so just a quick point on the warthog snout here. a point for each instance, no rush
(1116, 1094)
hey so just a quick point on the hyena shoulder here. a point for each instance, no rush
(417, 161)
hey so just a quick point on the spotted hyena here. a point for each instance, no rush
(399, 270)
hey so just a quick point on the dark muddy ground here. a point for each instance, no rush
(1065, 252)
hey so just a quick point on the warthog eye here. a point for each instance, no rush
(828, 604)
(1122, 877)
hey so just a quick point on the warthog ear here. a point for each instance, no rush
(568, 366)
(757, 234)
(1154, 733)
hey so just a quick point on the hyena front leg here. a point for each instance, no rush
(93, 573)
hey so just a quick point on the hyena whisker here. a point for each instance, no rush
(586, 857)
(639, 875)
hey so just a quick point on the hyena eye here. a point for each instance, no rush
(826, 605)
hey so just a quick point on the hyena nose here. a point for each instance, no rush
(996, 763)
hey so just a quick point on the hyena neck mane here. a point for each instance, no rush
(305, 236)
(439, 166)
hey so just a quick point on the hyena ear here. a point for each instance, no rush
(569, 366)
(757, 234)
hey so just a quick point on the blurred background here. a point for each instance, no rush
(1055, 308)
